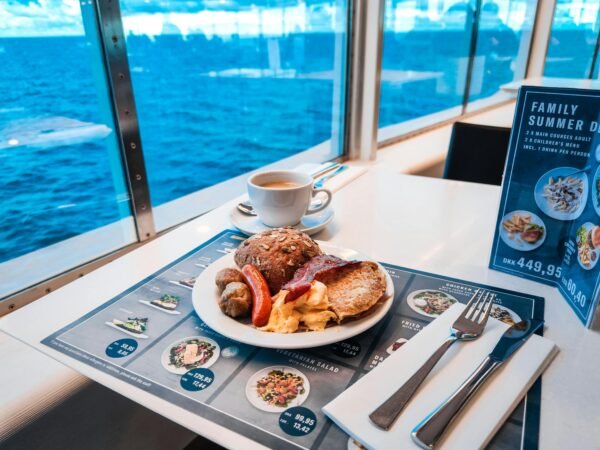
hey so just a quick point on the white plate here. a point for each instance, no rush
(165, 360)
(411, 301)
(515, 317)
(594, 191)
(310, 224)
(122, 330)
(205, 298)
(542, 202)
(259, 403)
(166, 311)
(516, 242)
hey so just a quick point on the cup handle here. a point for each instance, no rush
(325, 204)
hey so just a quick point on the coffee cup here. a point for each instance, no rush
(283, 197)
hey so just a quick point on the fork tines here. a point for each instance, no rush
(481, 303)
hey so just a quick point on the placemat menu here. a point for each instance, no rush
(271, 396)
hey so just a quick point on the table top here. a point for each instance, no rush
(580, 83)
(440, 226)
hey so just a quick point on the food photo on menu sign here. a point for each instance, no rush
(548, 227)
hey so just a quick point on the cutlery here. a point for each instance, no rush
(430, 430)
(321, 181)
(325, 173)
(469, 326)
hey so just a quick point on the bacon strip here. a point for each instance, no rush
(312, 270)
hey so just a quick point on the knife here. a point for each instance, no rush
(427, 433)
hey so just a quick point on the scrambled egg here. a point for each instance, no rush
(311, 309)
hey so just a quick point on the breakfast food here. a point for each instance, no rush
(314, 290)
(277, 254)
(191, 353)
(261, 297)
(309, 311)
(236, 300)
(564, 194)
(226, 276)
(167, 302)
(317, 267)
(279, 388)
(354, 290)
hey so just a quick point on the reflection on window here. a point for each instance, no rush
(62, 184)
(503, 40)
(425, 58)
(222, 88)
(573, 39)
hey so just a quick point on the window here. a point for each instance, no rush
(502, 49)
(425, 60)
(439, 61)
(62, 184)
(573, 46)
(222, 89)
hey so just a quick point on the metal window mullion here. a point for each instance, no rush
(472, 52)
(595, 54)
(117, 67)
(364, 78)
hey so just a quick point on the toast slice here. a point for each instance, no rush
(354, 290)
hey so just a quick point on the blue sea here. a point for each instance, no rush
(209, 109)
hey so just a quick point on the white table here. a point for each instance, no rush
(579, 83)
(429, 224)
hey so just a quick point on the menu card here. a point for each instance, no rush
(142, 336)
(548, 223)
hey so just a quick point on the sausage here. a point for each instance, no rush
(261, 296)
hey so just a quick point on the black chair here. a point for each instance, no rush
(477, 153)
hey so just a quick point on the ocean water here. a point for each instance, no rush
(208, 110)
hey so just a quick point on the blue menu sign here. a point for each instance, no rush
(548, 226)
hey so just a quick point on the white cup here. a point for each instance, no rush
(285, 205)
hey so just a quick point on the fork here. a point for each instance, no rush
(469, 326)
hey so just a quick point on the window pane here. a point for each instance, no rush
(573, 39)
(503, 40)
(425, 60)
(62, 185)
(222, 89)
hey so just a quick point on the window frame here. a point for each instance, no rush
(360, 120)
(110, 34)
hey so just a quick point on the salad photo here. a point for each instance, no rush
(430, 303)
(190, 353)
(134, 326)
(275, 389)
(166, 303)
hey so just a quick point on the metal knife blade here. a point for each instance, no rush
(513, 338)
(430, 430)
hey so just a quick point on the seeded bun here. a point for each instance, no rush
(277, 254)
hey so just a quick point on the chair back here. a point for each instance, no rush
(477, 153)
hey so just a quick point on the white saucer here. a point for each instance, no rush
(310, 224)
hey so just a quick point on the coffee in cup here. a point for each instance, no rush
(283, 197)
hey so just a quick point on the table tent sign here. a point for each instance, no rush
(548, 227)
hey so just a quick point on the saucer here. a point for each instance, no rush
(310, 224)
